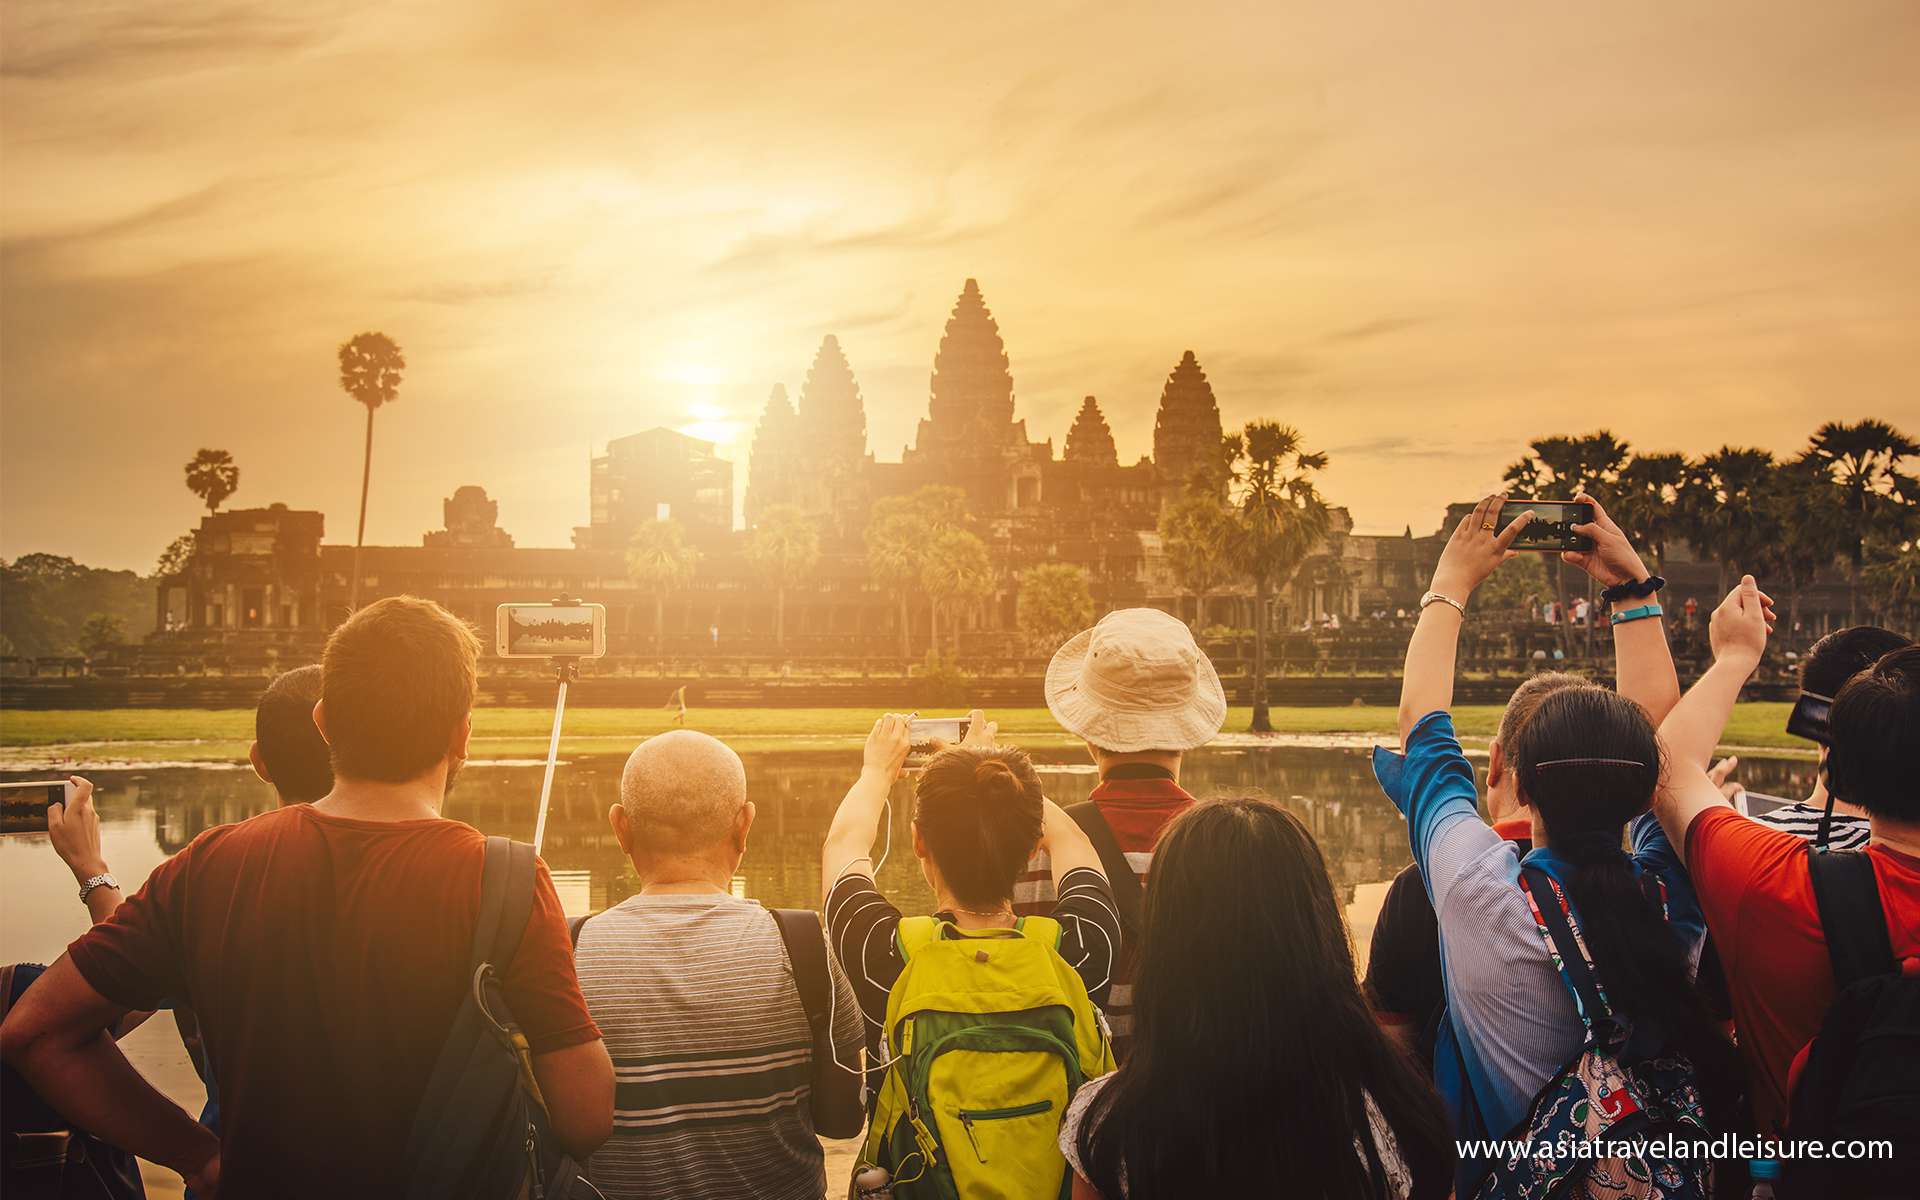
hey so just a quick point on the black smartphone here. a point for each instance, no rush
(23, 806)
(1552, 524)
(1811, 717)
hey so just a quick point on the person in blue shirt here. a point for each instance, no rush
(1587, 764)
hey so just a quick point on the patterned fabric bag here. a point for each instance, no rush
(1603, 1094)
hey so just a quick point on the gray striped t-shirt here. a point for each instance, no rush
(712, 1058)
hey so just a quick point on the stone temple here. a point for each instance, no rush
(263, 575)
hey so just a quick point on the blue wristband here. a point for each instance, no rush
(1636, 614)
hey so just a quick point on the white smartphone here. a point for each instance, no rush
(24, 805)
(550, 631)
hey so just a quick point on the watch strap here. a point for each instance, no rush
(97, 881)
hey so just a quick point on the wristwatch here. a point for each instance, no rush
(98, 881)
(1438, 598)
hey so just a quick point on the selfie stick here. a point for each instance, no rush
(565, 671)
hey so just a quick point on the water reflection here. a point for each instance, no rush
(1331, 789)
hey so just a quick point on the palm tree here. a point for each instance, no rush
(1278, 519)
(659, 560)
(957, 573)
(900, 530)
(370, 367)
(213, 477)
(1876, 496)
(1194, 532)
(1645, 502)
(784, 548)
(1723, 508)
(1054, 604)
(1805, 526)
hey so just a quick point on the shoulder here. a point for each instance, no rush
(1721, 839)
(1076, 1116)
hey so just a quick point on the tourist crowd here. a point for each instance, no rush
(1610, 981)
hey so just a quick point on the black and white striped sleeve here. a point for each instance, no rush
(861, 924)
(1089, 930)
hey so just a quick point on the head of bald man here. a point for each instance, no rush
(683, 814)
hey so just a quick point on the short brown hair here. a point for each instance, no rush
(1526, 699)
(397, 679)
(979, 811)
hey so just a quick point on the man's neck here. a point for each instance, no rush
(685, 877)
(1166, 761)
(378, 800)
(1903, 836)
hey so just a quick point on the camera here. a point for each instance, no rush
(923, 732)
(1552, 524)
(23, 806)
(550, 630)
(1812, 718)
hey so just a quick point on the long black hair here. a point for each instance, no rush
(1253, 1050)
(1588, 761)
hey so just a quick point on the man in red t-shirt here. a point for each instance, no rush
(324, 948)
(1141, 692)
(1753, 881)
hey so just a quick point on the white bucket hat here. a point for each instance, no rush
(1136, 681)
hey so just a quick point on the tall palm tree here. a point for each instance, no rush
(212, 476)
(896, 553)
(1278, 519)
(1806, 526)
(784, 548)
(957, 573)
(1194, 532)
(1645, 502)
(1724, 511)
(1876, 496)
(370, 366)
(660, 560)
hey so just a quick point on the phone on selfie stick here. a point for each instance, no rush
(563, 631)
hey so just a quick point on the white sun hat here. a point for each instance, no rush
(1136, 681)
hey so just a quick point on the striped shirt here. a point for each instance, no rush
(1138, 800)
(1802, 820)
(861, 924)
(712, 1056)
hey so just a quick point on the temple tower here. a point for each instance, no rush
(1090, 440)
(1186, 433)
(773, 464)
(970, 409)
(832, 414)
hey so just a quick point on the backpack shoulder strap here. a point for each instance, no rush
(1128, 896)
(1851, 915)
(1554, 919)
(806, 945)
(915, 933)
(1044, 930)
(574, 926)
(506, 900)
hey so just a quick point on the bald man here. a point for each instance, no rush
(695, 995)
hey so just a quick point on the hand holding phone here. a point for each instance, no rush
(1612, 560)
(24, 805)
(1552, 526)
(73, 827)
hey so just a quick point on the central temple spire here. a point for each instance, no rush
(972, 385)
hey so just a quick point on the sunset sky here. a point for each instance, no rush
(1422, 233)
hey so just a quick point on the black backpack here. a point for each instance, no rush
(1861, 1079)
(481, 1131)
(1129, 898)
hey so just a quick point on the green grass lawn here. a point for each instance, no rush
(205, 735)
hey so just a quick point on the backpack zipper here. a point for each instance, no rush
(969, 1115)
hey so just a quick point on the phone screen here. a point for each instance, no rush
(23, 806)
(922, 733)
(551, 631)
(1552, 524)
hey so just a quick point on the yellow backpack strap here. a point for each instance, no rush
(1040, 929)
(915, 933)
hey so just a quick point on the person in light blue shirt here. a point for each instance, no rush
(1587, 763)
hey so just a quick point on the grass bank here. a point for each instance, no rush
(136, 735)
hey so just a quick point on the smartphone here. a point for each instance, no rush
(1552, 524)
(922, 732)
(23, 806)
(1811, 717)
(550, 631)
(1758, 804)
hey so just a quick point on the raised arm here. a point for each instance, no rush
(1471, 554)
(1643, 665)
(1738, 635)
(1067, 846)
(857, 821)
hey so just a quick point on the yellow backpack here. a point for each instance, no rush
(989, 1033)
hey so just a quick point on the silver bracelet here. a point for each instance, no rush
(1432, 598)
(97, 881)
